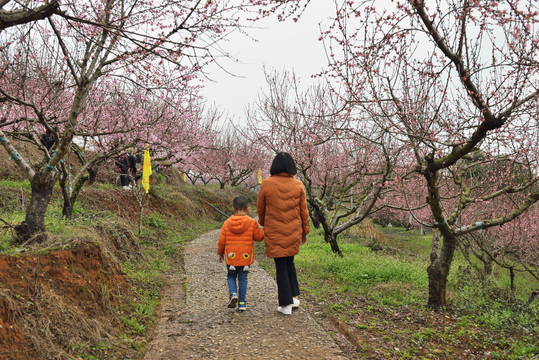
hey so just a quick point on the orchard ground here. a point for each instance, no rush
(94, 289)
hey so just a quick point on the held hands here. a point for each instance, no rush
(303, 239)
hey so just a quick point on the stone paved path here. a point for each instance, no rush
(202, 327)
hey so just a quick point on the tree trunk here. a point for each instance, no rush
(488, 267)
(67, 209)
(330, 238)
(487, 264)
(70, 196)
(142, 199)
(512, 277)
(438, 271)
(314, 217)
(93, 174)
(33, 225)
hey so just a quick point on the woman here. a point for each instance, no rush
(282, 210)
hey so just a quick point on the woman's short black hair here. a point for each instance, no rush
(283, 163)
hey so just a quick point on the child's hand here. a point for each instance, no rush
(221, 258)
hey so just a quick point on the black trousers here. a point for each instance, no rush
(287, 280)
(124, 179)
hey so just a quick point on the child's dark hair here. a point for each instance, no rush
(240, 203)
(283, 163)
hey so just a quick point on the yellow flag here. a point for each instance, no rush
(146, 169)
(184, 177)
(260, 176)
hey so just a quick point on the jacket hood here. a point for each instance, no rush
(238, 224)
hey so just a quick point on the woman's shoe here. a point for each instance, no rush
(286, 310)
(295, 303)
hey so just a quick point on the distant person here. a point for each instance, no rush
(122, 163)
(48, 139)
(132, 160)
(282, 210)
(138, 159)
(127, 167)
(237, 248)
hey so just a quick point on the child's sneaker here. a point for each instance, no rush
(233, 301)
(241, 306)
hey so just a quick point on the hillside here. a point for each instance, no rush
(92, 289)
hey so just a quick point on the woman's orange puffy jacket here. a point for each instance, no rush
(282, 210)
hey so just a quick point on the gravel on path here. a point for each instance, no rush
(196, 324)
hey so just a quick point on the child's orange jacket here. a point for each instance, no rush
(236, 240)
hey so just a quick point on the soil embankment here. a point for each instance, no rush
(62, 296)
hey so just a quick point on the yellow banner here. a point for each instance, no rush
(260, 176)
(146, 169)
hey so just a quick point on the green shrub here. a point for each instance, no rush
(154, 220)
(5, 245)
(491, 303)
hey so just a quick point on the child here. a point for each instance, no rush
(236, 242)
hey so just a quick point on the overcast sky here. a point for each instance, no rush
(281, 46)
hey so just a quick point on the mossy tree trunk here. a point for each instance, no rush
(34, 222)
(70, 195)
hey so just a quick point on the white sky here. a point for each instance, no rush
(281, 46)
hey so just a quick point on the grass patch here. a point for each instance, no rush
(494, 307)
(7, 235)
(154, 220)
(57, 224)
(409, 240)
(13, 184)
(360, 271)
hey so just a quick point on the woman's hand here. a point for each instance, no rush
(303, 239)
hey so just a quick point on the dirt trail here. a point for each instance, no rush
(202, 327)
